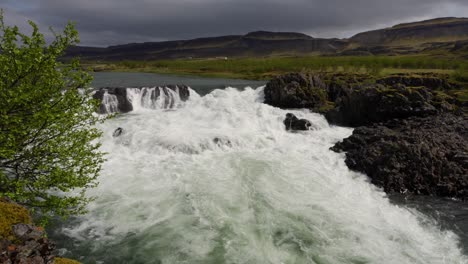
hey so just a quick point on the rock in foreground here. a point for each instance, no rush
(411, 136)
(21, 242)
(416, 155)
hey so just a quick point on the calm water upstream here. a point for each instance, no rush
(199, 84)
(217, 179)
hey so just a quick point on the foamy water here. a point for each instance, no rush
(217, 179)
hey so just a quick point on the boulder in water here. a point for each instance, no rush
(293, 123)
(118, 132)
(222, 141)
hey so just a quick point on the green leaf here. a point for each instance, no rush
(48, 150)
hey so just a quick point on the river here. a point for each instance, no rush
(217, 179)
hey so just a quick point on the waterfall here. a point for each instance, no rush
(110, 103)
(130, 99)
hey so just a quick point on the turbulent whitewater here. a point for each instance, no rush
(218, 179)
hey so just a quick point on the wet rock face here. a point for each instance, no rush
(123, 103)
(184, 91)
(295, 90)
(293, 123)
(420, 155)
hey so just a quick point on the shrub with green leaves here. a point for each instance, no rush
(49, 153)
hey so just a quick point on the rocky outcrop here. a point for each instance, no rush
(411, 136)
(421, 155)
(295, 90)
(354, 101)
(377, 103)
(120, 99)
(293, 123)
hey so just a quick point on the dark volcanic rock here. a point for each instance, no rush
(420, 155)
(411, 136)
(377, 103)
(350, 102)
(293, 123)
(295, 90)
(414, 81)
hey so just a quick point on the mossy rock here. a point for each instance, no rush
(11, 214)
(65, 261)
(324, 108)
(460, 95)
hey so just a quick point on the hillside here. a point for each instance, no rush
(261, 43)
(435, 30)
(448, 35)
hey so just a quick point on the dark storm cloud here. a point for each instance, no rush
(105, 22)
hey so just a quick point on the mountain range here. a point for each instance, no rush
(447, 34)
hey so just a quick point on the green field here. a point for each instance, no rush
(265, 68)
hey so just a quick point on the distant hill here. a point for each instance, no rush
(435, 30)
(447, 34)
(260, 43)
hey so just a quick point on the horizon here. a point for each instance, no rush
(109, 23)
(276, 32)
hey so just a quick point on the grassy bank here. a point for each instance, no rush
(265, 68)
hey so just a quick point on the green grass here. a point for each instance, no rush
(265, 68)
(461, 75)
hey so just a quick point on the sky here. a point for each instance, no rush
(112, 22)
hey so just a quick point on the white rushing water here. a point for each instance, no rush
(217, 179)
(110, 103)
(154, 98)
